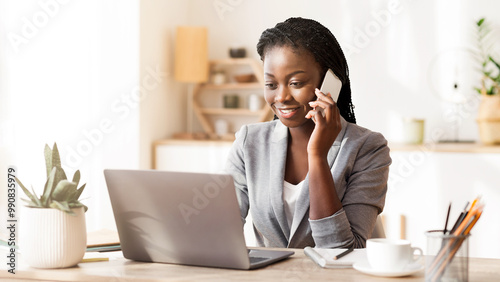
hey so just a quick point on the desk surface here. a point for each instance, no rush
(296, 268)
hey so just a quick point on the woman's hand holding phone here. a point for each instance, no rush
(325, 115)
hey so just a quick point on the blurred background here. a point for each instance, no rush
(97, 77)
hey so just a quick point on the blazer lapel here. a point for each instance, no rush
(334, 150)
(302, 205)
(277, 169)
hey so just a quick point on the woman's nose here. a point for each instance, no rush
(283, 94)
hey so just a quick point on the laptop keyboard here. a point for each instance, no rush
(257, 259)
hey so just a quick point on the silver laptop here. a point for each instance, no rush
(182, 218)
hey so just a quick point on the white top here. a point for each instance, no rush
(290, 194)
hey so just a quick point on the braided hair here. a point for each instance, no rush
(309, 35)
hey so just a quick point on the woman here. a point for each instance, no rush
(308, 179)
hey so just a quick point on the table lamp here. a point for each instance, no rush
(191, 61)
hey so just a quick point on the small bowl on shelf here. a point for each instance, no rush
(237, 52)
(244, 78)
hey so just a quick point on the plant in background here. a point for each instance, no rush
(59, 193)
(490, 68)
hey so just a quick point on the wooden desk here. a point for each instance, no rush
(296, 268)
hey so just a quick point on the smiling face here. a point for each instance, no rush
(290, 78)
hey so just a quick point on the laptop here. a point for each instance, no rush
(182, 218)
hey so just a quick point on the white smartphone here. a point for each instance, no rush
(331, 84)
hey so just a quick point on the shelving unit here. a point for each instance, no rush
(207, 113)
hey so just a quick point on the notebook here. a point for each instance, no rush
(324, 257)
(182, 218)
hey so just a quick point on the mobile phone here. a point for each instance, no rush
(331, 84)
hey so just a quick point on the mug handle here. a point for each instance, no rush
(420, 255)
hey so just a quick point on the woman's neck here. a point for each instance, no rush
(302, 133)
(296, 160)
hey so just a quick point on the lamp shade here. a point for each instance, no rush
(191, 54)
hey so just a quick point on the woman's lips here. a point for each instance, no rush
(288, 112)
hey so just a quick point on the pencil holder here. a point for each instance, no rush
(447, 257)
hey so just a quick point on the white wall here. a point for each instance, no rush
(424, 183)
(69, 64)
(163, 104)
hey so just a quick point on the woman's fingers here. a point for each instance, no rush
(323, 96)
(325, 108)
(325, 102)
(312, 114)
(324, 105)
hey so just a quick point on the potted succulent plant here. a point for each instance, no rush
(53, 230)
(489, 109)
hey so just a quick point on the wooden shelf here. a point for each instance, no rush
(236, 61)
(206, 114)
(231, 86)
(447, 147)
(224, 111)
(193, 142)
(476, 148)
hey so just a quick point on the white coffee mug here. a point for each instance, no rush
(391, 255)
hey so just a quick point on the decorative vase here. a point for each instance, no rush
(488, 119)
(51, 238)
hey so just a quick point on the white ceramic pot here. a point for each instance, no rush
(51, 238)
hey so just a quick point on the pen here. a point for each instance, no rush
(446, 222)
(460, 218)
(343, 253)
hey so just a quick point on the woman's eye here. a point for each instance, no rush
(270, 85)
(296, 84)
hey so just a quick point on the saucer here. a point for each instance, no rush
(364, 266)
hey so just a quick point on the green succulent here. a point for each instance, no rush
(490, 68)
(58, 193)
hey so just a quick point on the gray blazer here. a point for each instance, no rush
(359, 161)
